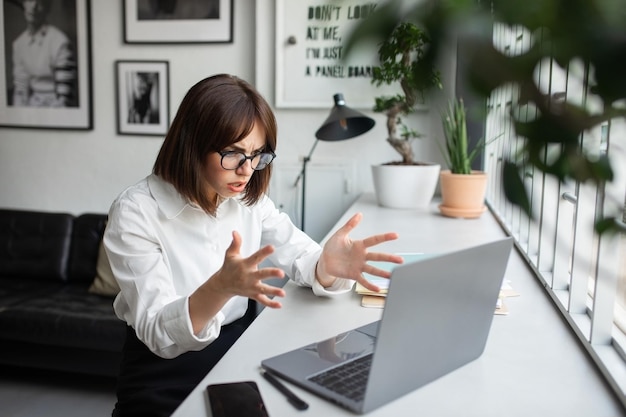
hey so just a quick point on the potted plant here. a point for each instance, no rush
(406, 183)
(462, 188)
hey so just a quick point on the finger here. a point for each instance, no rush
(268, 289)
(384, 257)
(272, 291)
(367, 284)
(267, 302)
(378, 239)
(258, 256)
(235, 245)
(266, 273)
(372, 270)
(352, 223)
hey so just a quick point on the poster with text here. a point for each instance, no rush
(310, 62)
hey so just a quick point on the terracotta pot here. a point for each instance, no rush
(462, 195)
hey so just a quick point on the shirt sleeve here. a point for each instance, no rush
(64, 69)
(295, 252)
(148, 300)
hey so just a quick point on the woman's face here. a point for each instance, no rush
(230, 183)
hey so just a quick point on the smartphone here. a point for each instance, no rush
(234, 399)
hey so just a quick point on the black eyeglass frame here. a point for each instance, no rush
(245, 158)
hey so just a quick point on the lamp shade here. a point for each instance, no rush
(343, 122)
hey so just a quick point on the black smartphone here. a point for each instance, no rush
(236, 399)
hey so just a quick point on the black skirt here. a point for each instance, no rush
(149, 385)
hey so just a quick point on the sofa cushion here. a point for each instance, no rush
(86, 238)
(34, 245)
(13, 291)
(104, 282)
(67, 317)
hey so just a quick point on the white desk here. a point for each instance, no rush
(532, 365)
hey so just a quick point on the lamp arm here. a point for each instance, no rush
(305, 160)
(302, 175)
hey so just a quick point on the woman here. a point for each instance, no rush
(186, 243)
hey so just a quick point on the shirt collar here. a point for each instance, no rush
(170, 201)
(39, 34)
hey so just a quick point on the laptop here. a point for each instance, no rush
(436, 319)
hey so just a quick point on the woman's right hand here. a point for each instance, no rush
(242, 276)
(237, 276)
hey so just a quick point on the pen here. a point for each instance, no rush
(291, 397)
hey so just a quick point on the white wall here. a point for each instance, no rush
(83, 171)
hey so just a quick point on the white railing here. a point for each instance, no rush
(585, 274)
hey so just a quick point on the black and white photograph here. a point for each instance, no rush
(142, 97)
(46, 76)
(178, 21)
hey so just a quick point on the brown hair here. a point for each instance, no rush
(217, 112)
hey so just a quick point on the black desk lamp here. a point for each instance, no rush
(342, 123)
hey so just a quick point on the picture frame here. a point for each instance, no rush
(185, 21)
(310, 66)
(142, 95)
(61, 99)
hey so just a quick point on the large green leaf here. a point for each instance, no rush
(514, 189)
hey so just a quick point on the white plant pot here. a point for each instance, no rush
(405, 186)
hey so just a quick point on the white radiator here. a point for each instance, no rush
(330, 189)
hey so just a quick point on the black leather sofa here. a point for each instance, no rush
(48, 318)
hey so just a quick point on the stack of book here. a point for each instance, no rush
(377, 299)
(373, 299)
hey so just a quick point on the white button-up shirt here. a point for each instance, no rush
(162, 248)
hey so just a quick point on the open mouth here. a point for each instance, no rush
(236, 187)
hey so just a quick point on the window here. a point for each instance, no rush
(585, 274)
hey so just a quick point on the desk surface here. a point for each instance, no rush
(532, 365)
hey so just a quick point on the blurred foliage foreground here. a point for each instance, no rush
(591, 33)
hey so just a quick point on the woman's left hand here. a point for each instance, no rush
(343, 257)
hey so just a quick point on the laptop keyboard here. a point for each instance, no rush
(348, 379)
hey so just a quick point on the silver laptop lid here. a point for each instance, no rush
(437, 318)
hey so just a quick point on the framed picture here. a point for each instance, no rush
(45, 81)
(309, 60)
(181, 21)
(142, 97)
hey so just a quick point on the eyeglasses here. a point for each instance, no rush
(234, 159)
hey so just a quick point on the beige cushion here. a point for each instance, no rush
(104, 283)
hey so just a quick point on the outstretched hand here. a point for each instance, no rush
(237, 276)
(242, 276)
(343, 257)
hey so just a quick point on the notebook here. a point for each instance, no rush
(383, 283)
(436, 319)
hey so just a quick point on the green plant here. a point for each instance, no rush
(456, 148)
(591, 32)
(401, 61)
